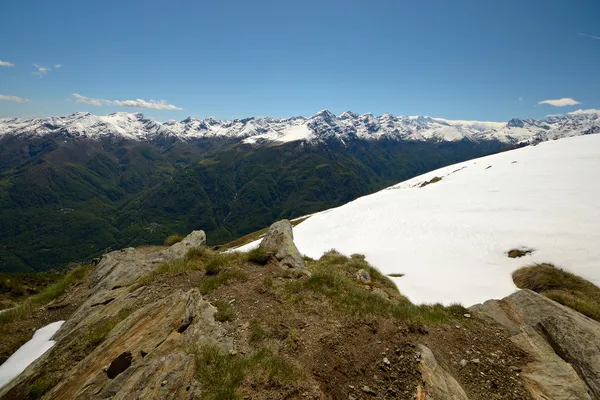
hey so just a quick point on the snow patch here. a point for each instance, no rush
(451, 238)
(28, 353)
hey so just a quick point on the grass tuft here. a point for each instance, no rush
(562, 287)
(225, 311)
(210, 283)
(172, 239)
(517, 253)
(258, 256)
(222, 374)
(435, 179)
(333, 277)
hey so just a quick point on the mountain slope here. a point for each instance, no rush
(450, 237)
(64, 199)
(73, 187)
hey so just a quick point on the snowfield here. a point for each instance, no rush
(451, 238)
(28, 353)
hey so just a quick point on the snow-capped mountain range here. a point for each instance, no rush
(321, 126)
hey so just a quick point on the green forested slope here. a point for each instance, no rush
(64, 200)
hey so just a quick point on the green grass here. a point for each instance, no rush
(210, 283)
(225, 311)
(50, 293)
(258, 256)
(333, 277)
(222, 374)
(172, 239)
(562, 287)
(40, 386)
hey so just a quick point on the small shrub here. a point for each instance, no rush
(225, 311)
(172, 239)
(258, 256)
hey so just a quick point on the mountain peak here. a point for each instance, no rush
(325, 114)
(516, 123)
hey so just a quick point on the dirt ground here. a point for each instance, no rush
(342, 356)
(349, 357)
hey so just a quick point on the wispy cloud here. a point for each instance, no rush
(589, 36)
(58, 66)
(41, 70)
(6, 64)
(137, 103)
(88, 100)
(520, 98)
(13, 98)
(585, 112)
(565, 101)
(152, 104)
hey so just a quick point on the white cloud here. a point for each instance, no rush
(565, 101)
(88, 100)
(590, 36)
(13, 98)
(153, 104)
(137, 103)
(6, 64)
(57, 66)
(520, 98)
(585, 112)
(41, 70)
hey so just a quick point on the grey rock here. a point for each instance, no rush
(437, 382)
(368, 390)
(362, 275)
(179, 250)
(278, 242)
(564, 344)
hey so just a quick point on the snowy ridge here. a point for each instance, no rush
(321, 126)
(450, 238)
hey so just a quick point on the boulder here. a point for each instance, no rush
(278, 242)
(564, 344)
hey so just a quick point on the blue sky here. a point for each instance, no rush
(477, 59)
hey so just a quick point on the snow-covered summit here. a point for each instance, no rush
(450, 238)
(321, 126)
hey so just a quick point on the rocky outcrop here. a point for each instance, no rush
(148, 353)
(438, 384)
(278, 242)
(564, 344)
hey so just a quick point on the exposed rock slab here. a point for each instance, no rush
(564, 343)
(278, 242)
(438, 384)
